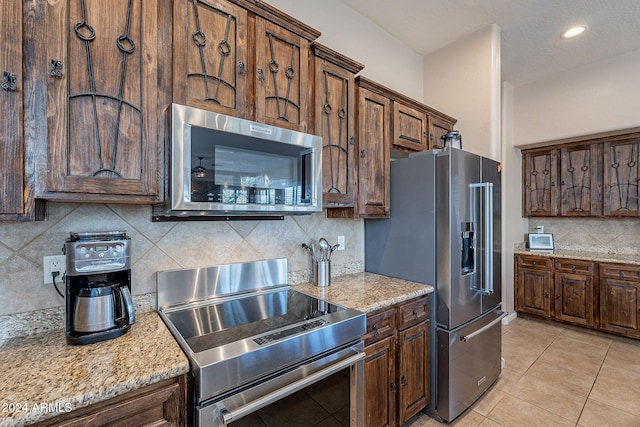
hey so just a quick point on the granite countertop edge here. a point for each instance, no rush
(630, 259)
(366, 292)
(42, 369)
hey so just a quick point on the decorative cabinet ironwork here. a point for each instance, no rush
(104, 94)
(621, 178)
(620, 299)
(534, 286)
(581, 180)
(335, 121)
(540, 175)
(397, 364)
(12, 165)
(574, 290)
(597, 178)
(210, 59)
(243, 58)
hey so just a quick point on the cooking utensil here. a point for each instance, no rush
(311, 251)
(324, 248)
(333, 248)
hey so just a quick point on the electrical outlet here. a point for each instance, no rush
(51, 264)
(341, 243)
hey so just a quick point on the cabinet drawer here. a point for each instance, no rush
(534, 262)
(380, 325)
(620, 271)
(575, 266)
(413, 312)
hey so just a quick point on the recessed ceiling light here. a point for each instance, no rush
(574, 31)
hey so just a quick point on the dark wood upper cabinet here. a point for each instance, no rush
(581, 180)
(103, 92)
(621, 178)
(540, 176)
(410, 128)
(12, 201)
(438, 126)
(210, 59)
(334, 106)
(374, 135)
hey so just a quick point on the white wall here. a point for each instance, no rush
(514, 227)
(463, 80)
(598, 98)
(386, 60)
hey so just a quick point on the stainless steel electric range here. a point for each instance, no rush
(259, 348)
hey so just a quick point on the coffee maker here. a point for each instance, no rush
(98, 286)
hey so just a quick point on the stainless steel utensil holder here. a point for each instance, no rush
(322, 273)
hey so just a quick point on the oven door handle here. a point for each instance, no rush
(225, 415)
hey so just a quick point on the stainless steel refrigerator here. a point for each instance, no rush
(445, 230)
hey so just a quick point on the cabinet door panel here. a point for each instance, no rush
(621, 178)
(379, 384)
(210, 56)
(533, 292)
(335, 122)
(283, 91)
(413, 371)
(103, 102)
(437, 128)
(619, 306)
(540, 174)
(409, 128)
(574, 298)
(11, 109)
(374, 116)
(580, 180)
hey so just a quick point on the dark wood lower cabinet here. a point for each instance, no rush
(397, 363)
(601, 296)
(620, 299)
(160, 404)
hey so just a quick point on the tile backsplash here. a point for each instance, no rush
(592, 234)
(162, 246)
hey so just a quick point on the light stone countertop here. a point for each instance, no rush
(43, 369)
(584, 255)
(366, 292)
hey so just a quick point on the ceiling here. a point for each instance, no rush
(531, 47)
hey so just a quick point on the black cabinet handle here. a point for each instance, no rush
(415, 314)
(403, 381)
(56, 68)
(242, 67)
(9, 81)
(375, 330)
(362, 153)
(261, 74)
(393, 387)
(546, 294)
(558, 296)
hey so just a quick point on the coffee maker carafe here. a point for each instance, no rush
(98, 286)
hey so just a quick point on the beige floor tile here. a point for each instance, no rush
(470, 418)
(596, 414)
(555, 398)
(533, 342)
(578, 363)
(624, 354)
(527, 326)
(489, 423)
(587, 336)
(488, 401)
(563, 379)
(518, 359)
(513, 412)
(624, 395)
(508, 377)
(568, 341)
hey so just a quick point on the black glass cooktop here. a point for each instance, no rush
(217, 324)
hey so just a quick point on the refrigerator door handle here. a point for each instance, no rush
(486, 225)
(465, 338)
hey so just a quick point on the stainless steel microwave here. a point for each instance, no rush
(222, 165)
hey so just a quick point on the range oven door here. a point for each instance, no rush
(330, 385)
